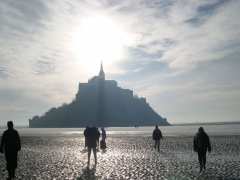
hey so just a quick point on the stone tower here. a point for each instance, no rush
(101, 96)
(102, 103)
(101, 72)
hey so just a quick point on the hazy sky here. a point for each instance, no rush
(182, 55)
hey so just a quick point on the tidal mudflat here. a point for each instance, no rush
(126, 157)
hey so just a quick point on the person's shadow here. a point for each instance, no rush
(88, 174)
(104, 151)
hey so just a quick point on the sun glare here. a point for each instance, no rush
(99, 38)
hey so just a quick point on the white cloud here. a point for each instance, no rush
(38, 61)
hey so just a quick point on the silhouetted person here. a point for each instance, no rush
(92, 136)
(103, 140)
(10, 145)
(201, 144)
(157, 136)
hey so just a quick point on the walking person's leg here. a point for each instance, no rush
(104, 144)
(14, 163)
(204, 160)
(155, 145)
(8, 165)
(89, 155)
(12, 173)
(95, 155)
(97, 148)
(158, 145)
(200, 160)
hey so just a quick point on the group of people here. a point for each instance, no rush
(11, 144)
(201, 144)
(92, 136)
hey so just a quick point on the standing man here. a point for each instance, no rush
(92, 135)
(10, 145)
(157, 136)
(201, 144)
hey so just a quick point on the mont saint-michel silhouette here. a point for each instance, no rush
(101, 103)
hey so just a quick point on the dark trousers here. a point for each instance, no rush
(157, 144)
(202, 159)
(94, 153)
(11, 158)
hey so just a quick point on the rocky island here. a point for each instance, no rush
(101, 103)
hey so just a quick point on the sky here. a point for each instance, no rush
(182, 55)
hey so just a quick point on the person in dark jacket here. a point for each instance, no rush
(157, 136)
(201, 144)
(10, 145)
(92, 135)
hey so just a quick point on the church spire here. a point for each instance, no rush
(101, 73)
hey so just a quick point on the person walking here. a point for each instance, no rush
(92, 136)
(157, 136)
(201, 144)
(10, 145)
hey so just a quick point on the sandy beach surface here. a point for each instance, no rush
(126, 157)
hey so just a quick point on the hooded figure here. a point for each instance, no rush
(201, 144)
(10, 145)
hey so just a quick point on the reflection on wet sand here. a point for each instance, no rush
(88, 174)
(128, 157)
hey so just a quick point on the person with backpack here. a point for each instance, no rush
(157, 136)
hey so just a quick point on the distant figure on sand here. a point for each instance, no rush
(157, 136)
(201, 144)
(10, 145)
(103, 145)
(92, 135)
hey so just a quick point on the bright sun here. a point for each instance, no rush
(99, 38)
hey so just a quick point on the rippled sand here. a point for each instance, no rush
(128, 157)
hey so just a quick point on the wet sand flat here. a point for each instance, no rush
(128, 157)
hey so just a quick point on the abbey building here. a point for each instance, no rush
(100, 102)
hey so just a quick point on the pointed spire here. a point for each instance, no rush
(101, 69)
(101, 73)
